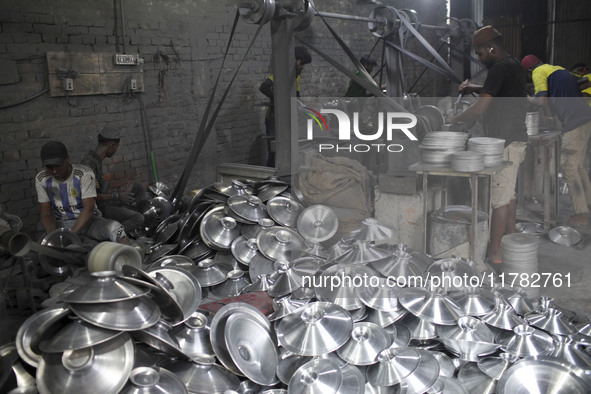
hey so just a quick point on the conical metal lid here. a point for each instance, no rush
(287, 366)
(236, 188)
(447, 385)
(103, 287)
(383, 318)
(217, 333)
(84, 370)
(468, 329)
(494, 367)
(381, 297)
(253, 348)
(503, 317)
(268, 189)
(165, 300)
(420, 329)
(158, 337)
(399, 265)
(433, 306)
(363, 252)
(182, 285)
(446, 270)
(517, 298)
(315, 329)
(283, 306)
(249, 208)
(446, 366)
(260, 265)
(476, 301)
(353, 380)
(366, 342)
(210, 273)
(394, 366)
(195, 250)
(244, 249)
(318, 223)
(193, 335)
(372, 230)
(203, 378)
(424, 376)
(280, 243)
(77, 335)
(218, 230)
(316, 250)
(571, 352)
(337, 284)
(153, 380)
(476, 381)
(470, 350)
(399, 333)
(552, 321)
(236, 280)
(252, 230)
(343, 245)
(284, 210)
(526, 341)
(129, 315)
(290, 276)
(318, 376)
(564, 235)
(263, 283)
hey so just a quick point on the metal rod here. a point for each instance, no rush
(348, 17)
(367, 19)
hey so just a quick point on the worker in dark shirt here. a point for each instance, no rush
(558, 89)
(111, 204)
(302, 57)
(502, 101)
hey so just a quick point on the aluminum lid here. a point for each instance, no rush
(284, 210)
(280, 243)
(249, 208)
(318, 223)
(366, 342)
(564, 235)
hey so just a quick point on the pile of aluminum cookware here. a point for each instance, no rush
(351, 315)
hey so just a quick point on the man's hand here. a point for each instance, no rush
(467, 87)
(126, 197)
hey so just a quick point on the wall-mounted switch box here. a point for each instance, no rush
(122, 59)
(68, 84)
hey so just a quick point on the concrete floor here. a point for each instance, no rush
(559, 259)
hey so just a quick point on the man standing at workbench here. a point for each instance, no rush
(504, 117)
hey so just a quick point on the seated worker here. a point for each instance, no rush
(111, 204)
(67, 193)
(557, 88)
(356, 90)
(303, 57)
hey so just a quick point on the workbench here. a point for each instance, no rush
(445, 171)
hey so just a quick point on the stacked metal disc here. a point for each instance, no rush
(437, 147)
(532, 123)
(491, 148)
(519, 254)
(467, 161)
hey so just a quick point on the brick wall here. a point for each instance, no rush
(182, 42)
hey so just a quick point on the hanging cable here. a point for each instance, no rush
(26, 100)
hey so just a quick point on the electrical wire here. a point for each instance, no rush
(26, 100)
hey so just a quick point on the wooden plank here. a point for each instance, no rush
(119, 82)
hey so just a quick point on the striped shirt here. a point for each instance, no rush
(66, 197)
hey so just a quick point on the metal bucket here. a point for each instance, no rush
(450, 232)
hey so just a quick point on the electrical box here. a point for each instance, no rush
(93, 73)
(68, 84)
(122, 59)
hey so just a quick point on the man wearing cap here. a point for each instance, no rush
(67, 193)
(502, 101)
(558, 88)
(110, 204)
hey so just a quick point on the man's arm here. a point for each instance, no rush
(474, 111)
(467, 87)
(85, 215)
(47, 217)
